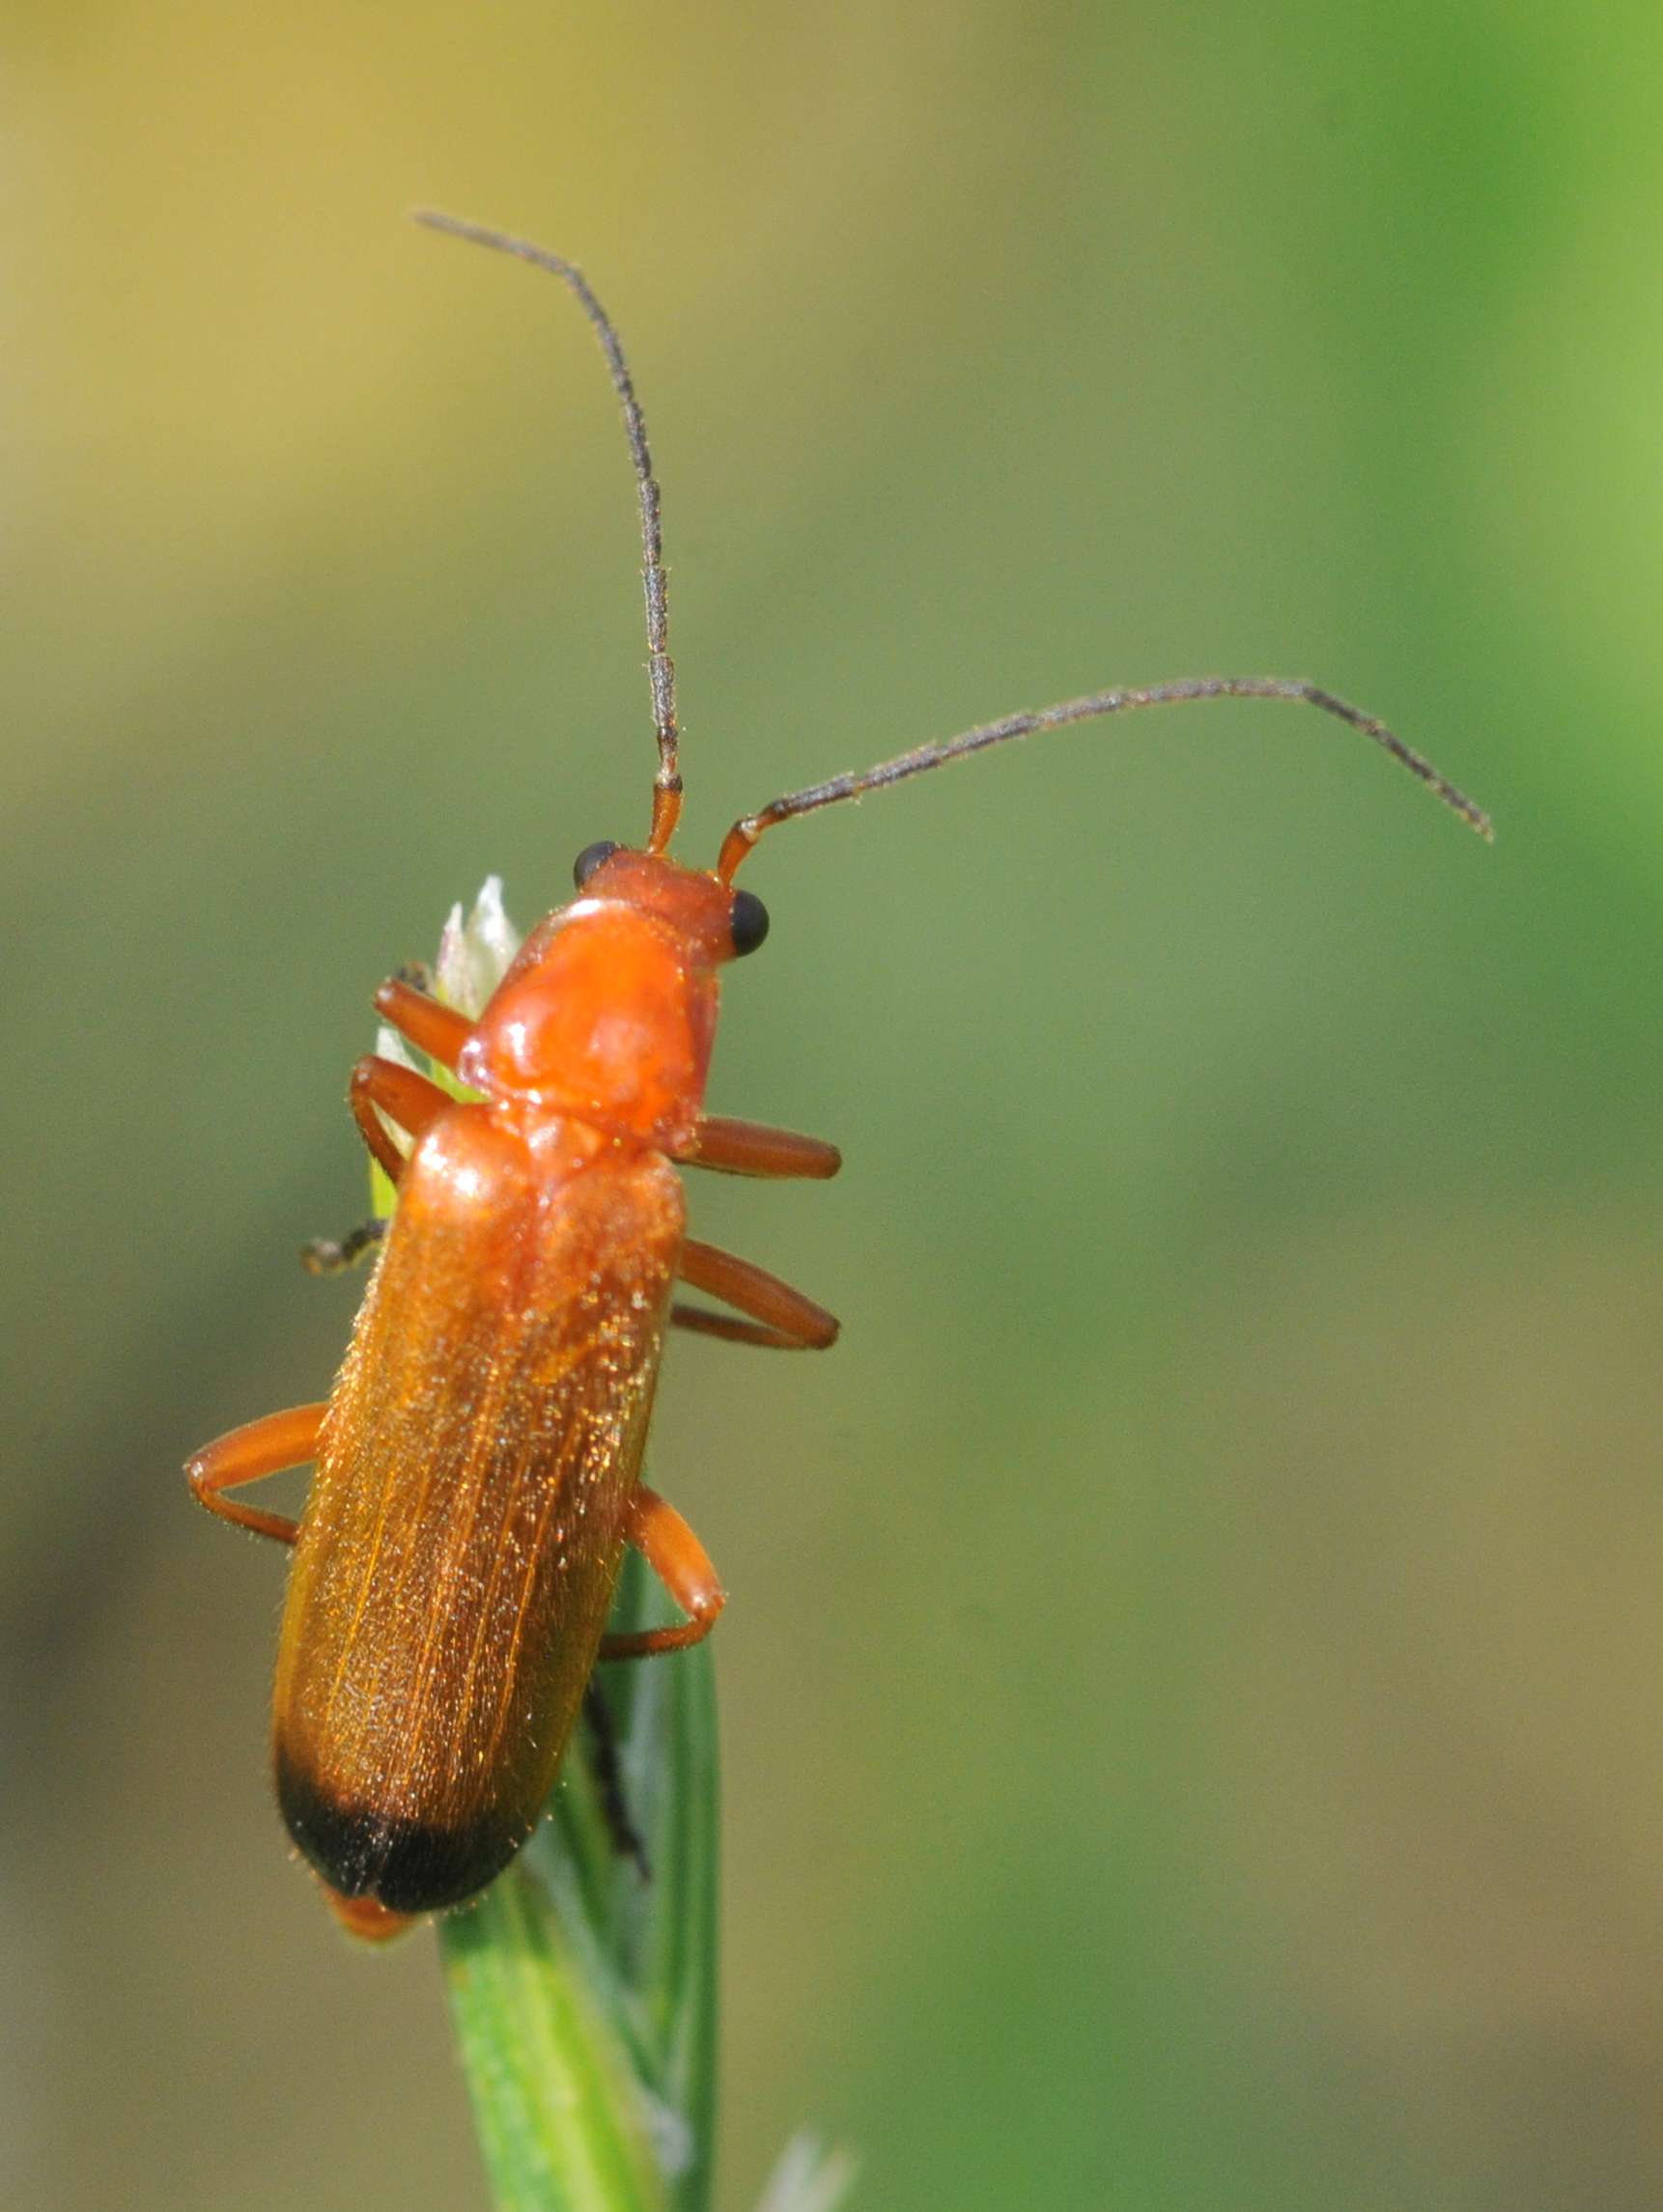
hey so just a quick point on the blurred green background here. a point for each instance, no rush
(1192, 1686)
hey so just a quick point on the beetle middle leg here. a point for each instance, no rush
(334, 1256)
(410, 1102)
(289, 1439)
(683, 1565)
(778, 1317)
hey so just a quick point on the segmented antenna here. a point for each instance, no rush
(660, 668)
(745, 832)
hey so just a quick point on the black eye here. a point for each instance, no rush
(749, 923)
(591, 858)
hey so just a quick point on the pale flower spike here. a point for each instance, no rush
(474, 956)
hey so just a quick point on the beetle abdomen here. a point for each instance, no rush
(466, 1525)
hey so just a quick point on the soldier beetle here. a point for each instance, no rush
(478, 1463)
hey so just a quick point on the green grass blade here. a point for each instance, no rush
(554, 2094)
(584, 1997)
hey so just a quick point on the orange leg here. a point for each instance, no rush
(682, 1564)
(259, 1448)
(751, 1148)
(788, 1319)
(701, 1321)
(407, 1100)
(439, 1031)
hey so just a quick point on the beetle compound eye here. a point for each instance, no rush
(591, 858)
(749, 923)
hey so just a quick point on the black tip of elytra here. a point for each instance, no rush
(408, 1865)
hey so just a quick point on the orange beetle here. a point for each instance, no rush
(478, 1463)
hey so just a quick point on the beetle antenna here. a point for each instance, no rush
(745, 832)
(660, 668)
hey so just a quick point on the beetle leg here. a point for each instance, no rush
(682, 1564)
(243, 1455)
(701, 1321)
(782, 1310)
(333, 1255)
(410, 1101)
(752, 1148)
(609, 1779)
(437, 1031)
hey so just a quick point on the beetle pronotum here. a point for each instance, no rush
(478, 1462)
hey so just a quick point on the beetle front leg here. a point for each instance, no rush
(752, 1148)
(432, 1027)
(683, 1565)
(258, 1448)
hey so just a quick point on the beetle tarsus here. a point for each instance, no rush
(627, 1840)
(334, 1256)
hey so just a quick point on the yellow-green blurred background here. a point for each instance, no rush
(1191, 1685)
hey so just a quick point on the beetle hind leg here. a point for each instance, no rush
(248, 1454)
(683, 1565)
